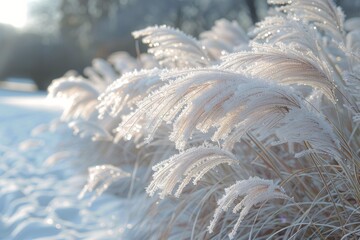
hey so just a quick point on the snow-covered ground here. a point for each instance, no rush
(38, 200)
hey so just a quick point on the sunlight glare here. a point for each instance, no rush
(13, 12)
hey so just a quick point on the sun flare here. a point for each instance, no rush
(13, 13)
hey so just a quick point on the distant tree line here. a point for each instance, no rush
(76, 31)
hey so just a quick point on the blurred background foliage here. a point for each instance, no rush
(59, 35)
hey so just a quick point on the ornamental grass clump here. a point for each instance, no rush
(240, 135)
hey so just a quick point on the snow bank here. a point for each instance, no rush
(38, 201)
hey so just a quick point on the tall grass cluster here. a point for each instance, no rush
(237, 134)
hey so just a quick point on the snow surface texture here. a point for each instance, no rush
(39, 201)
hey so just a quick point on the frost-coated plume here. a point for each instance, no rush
(194, 163)
(255, 190)
(314, 129)
(90, 129)
(82, 96)
(173, 48)
(287, 30)
(100, 178)
(324, 14)
(288, 64)
(126, 91)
